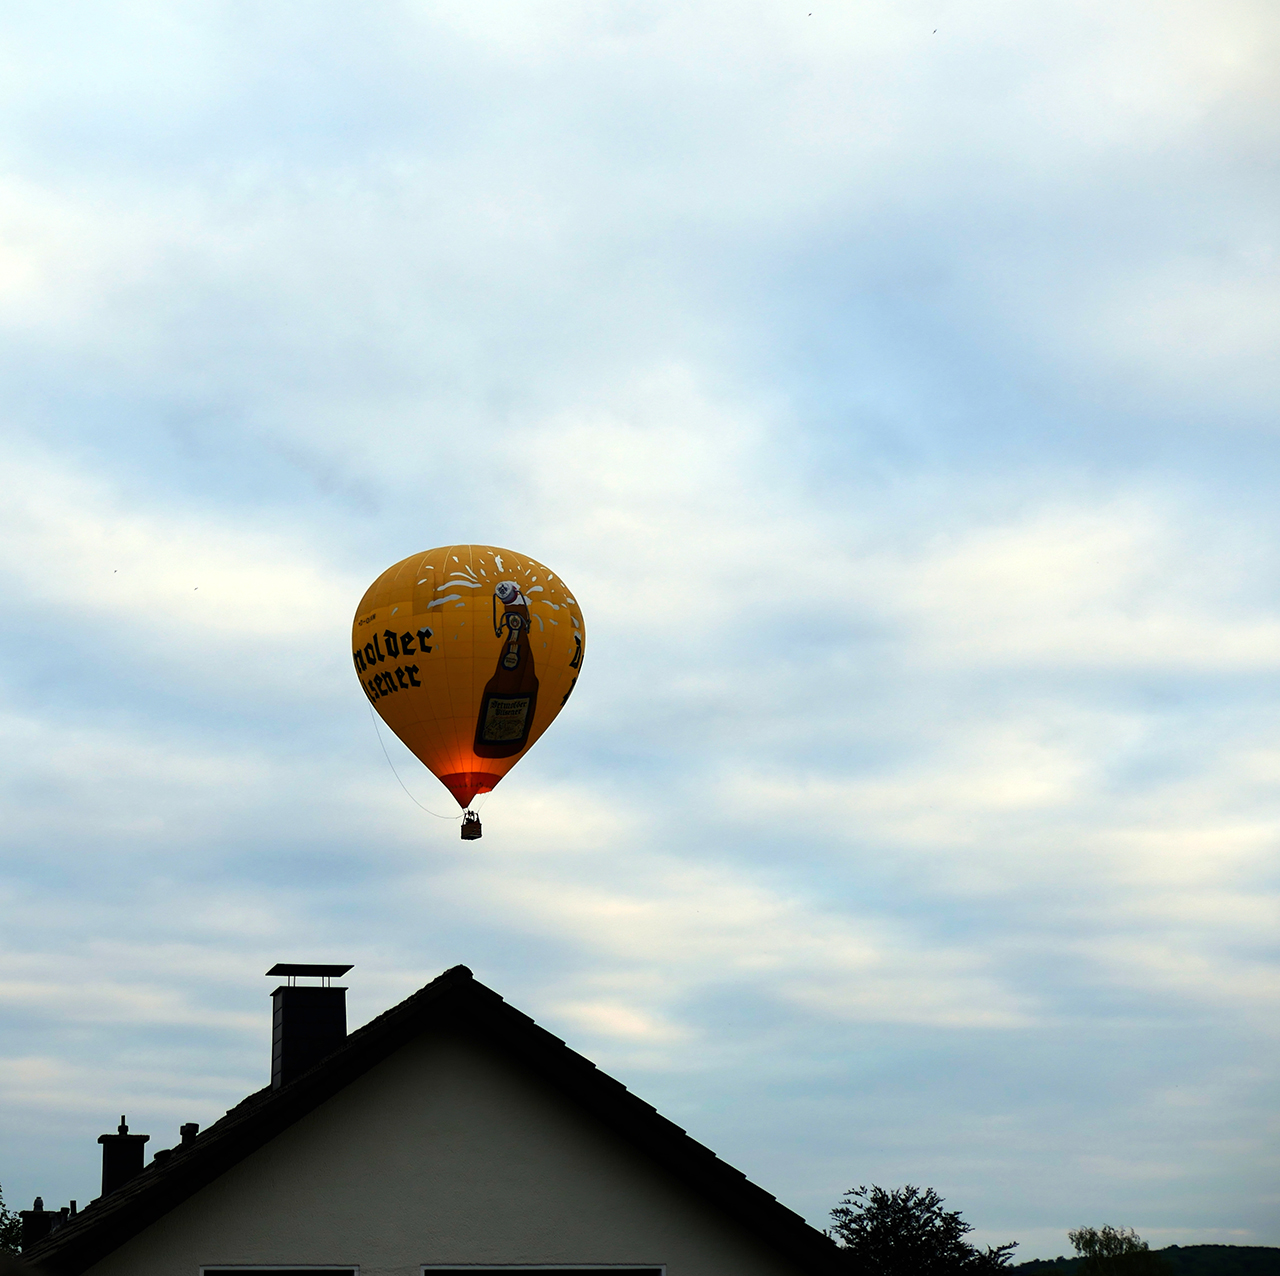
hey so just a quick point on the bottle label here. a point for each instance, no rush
(504, 719)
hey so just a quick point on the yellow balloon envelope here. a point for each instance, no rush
(468, 653)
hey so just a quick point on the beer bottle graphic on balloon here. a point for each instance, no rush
(511, 696)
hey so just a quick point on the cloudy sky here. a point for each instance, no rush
(895, 385)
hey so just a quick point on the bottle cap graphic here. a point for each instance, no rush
(507, 590)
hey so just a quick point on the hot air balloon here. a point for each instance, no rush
(468, 653)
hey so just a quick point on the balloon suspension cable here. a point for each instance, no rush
(396, 773)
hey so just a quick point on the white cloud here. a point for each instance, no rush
(1119, 586)
(664, 931)
(72, 544)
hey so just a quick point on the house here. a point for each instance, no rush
(450, 1134)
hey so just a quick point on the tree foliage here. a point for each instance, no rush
(906, 1232)
(1114, 1251)
(10, 1228)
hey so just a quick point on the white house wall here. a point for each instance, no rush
(445, 1153)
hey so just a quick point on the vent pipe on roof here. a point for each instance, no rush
(122, 1156)
(307, 1024)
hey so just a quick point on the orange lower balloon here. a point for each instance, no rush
(468, 653)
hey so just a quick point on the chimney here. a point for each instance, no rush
(122, 1155)
(37, 1223)
(307, 1024)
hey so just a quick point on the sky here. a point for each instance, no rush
(894, 384)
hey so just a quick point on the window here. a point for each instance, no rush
(279, 1271)
(582, 1269)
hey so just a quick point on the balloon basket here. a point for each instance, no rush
(470, 826)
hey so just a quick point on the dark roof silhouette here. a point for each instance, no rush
(454, 1000)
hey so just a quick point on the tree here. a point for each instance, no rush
(1114, 1251)
(906, 1232)
(10, 1229)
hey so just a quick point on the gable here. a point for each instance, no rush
(447, 1151)
(453, 1007)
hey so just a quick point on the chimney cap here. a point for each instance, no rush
(307, 968)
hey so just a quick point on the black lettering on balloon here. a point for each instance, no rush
(406, 645)
(412, 670)
(404, 686)
(423, 635)
(378, 649)
(568, 693)
(358, 657)
(370, 658)
(393, 643)
(370, 690)
(577, 652)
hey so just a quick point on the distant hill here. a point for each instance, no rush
(1184, 1260)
